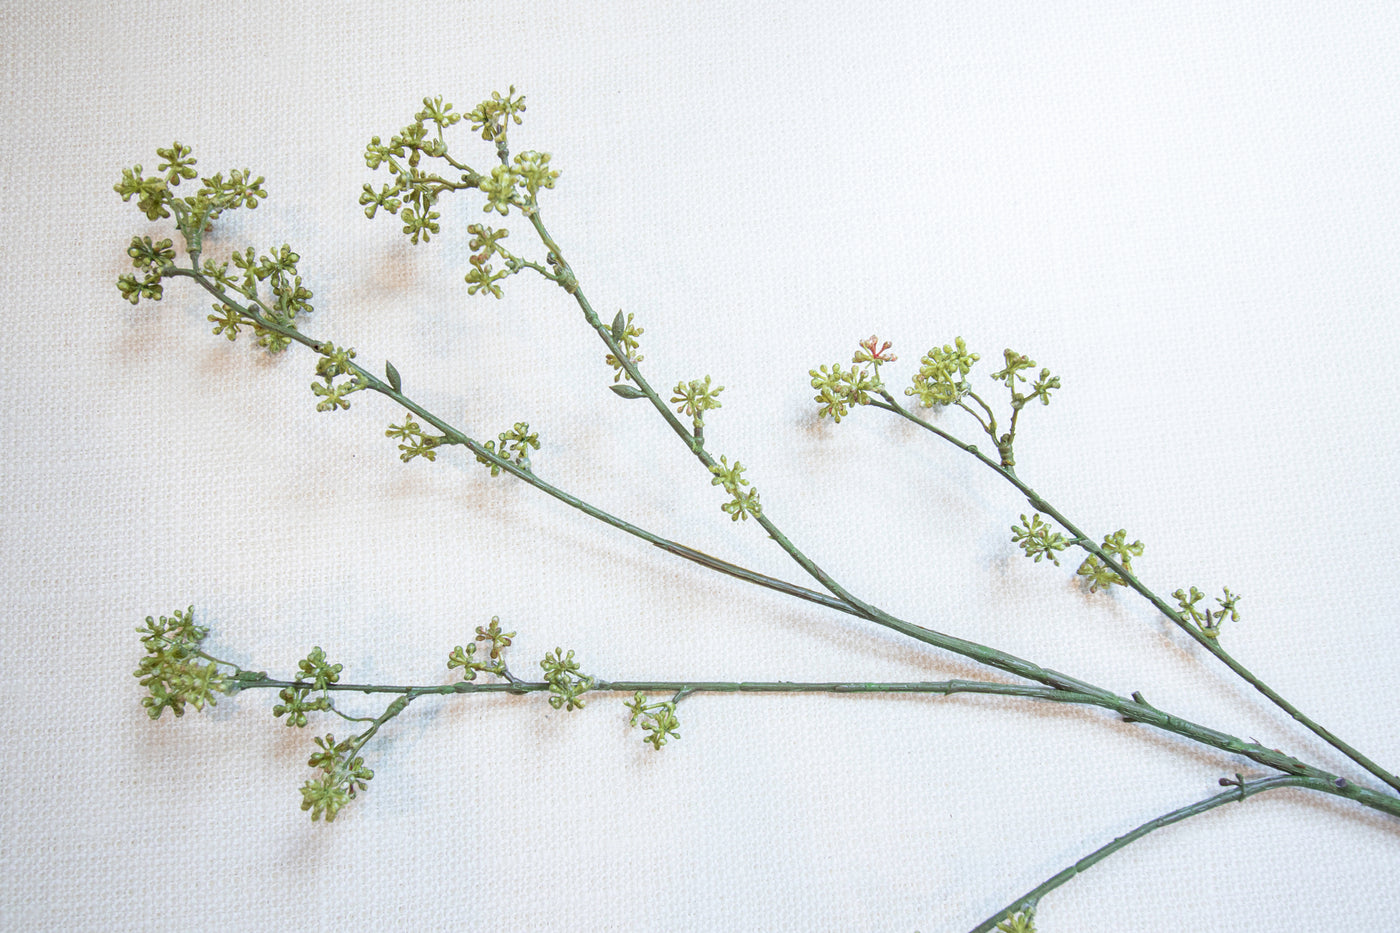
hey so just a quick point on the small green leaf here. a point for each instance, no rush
(627, 391)
(619, 327)
(626, 341)
(393, 375)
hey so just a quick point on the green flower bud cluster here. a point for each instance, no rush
(174, 670)
(838, 391)
(694, 398)
(290, 296)
(491, 117)
(438, 112)
(745, 501)
(941, 380)
(1019, 922)
(416, 443)
(514, 445)
(499, 188)
(154, 259)
(193, 214)
(297, 700)
(1208, 621)
(532, 170)
(415, 191)
(296, 703)
(466, 658)
(659, 719)
(1098, 575)
(343, 774)
(279, 270)
(1015, 362)
(1037, 540)
(318, 669)
(483, 277)
(335, 361)
(566, 684)
(941, 376)
(625, 335)
(493, 635)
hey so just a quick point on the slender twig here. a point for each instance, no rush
(1212, 645)
(1047, 685)
(1137, 710)
(981, 653)
(846, 603)
(943, 687)
(1242, 789)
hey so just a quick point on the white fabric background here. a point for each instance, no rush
(1188, 211)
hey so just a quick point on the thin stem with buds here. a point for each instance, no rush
(1212, 645)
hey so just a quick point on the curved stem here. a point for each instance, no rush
(452, 435)
(844, 601)
(1132, 710)
(1211, 645)
(694, 442)
(1239, 793)
(393, 709)
(981, 653)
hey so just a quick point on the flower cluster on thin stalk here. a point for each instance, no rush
(743, 497)
(626, 334)
(658, 719)
(839, 390)
(566, 685)
(254, 309)
(511, 446)
(175, 671)
(1208, 621)
(262, 293)
(941, 381)
(495, 641)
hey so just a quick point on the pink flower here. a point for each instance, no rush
(869, 354)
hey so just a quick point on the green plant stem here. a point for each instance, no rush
(977, 652)
(695, 442)
(1048, 685)
(392, 710)
(1211, 645)
(1129, 709)
(982, 653)
(1239, 793)
(454, 436)
(844, 602)
(942, 687)
(1053, 686)
(1134, 710)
